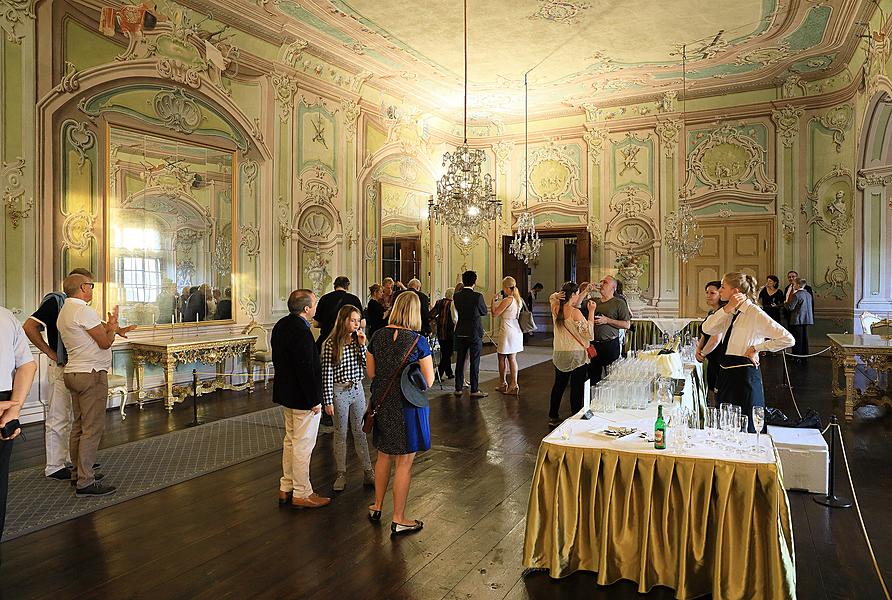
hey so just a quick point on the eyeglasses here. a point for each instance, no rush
(91, 284)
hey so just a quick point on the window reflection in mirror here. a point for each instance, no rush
(170, 224)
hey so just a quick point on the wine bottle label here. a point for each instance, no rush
(659, 439)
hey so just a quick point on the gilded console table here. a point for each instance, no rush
(876, 352)
(208, 349)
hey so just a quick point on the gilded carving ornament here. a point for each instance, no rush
(250, 240)
(77, 230)
(838, 120)
(13, 14)
(12, 175)
(829, 204)
(786, 119)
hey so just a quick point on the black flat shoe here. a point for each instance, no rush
(399, 529)
(374, 515)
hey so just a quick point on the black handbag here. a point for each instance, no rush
(776, 418)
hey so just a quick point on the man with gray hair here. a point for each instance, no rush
(298, 388)
(88, 341)
(611, 315)
(799, 306)
(57, 399)
(414, 285)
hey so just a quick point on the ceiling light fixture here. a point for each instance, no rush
(526, 243)
(465, 195)
(682, 234)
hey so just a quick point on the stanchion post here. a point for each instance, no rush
(195, 420)
(831, 499)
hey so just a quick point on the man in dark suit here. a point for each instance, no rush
(330, 304)
(470, 306)
(415, 286)
(298, 388)
(792, 277)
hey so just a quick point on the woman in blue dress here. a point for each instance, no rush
(400, 428)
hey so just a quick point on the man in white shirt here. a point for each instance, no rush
(17, 368)
(58, 400)
(88, 341)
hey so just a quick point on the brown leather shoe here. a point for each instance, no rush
(311, 501)
(284, 497)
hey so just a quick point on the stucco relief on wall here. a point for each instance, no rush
(728, 158)
(830, 204)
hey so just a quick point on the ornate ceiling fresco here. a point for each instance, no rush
(584, 52)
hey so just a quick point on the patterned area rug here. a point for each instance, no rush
(142, 467)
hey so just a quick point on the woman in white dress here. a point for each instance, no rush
(507, 305)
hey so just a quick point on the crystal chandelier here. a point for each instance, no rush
(465, 195)
(526, 243)
(682, 234)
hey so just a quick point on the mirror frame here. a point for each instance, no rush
(426, 231)
(194, 140)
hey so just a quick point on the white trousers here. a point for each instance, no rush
(301, 427)
(58, 420)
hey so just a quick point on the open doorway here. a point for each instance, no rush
(565, 256)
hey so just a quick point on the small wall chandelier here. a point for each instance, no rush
(465, 195)
(526, 243)
(682, 234)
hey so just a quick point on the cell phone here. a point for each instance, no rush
(7, 430)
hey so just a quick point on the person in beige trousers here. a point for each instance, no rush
(88, 341)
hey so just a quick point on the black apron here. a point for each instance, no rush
(739, 380)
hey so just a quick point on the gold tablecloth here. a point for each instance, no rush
(698, 526)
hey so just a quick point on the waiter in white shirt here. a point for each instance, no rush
(88, 341)
(17, 368)
(746, 330)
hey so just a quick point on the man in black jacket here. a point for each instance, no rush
(298, 388)
(470, 306)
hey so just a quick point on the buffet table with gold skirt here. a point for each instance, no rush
(695, 521)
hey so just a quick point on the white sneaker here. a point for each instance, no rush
(340, 482)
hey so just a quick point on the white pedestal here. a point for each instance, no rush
(804, 458)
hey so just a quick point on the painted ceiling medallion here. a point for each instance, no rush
(560, 11)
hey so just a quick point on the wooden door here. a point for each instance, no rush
(745, 245)
(513, 267)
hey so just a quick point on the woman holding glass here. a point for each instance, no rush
(572, 335)
(746, 330)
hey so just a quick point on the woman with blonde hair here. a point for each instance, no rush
(400, 428)
(343, 361)
(746, 330)
(507, 305)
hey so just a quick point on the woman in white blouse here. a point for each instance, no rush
(572, 335)
(746, 330)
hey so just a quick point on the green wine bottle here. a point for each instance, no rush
(660, 430)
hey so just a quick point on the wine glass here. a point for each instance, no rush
(758, 421)
(743, 422)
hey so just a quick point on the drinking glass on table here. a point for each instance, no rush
(712, 423)
(758, 421)
(743, 430)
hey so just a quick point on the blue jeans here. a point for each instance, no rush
(462, 346)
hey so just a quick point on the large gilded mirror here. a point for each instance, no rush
(170, 213)
(404, 221)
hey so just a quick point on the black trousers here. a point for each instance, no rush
(445, 366)
(577, 380)
(463, 346)
(800, 334)
(608, 352)
(5, 453)
(741, 385)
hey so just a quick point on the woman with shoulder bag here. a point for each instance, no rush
(507, 305)
(343, 368)
(399, 428)
(572, 335)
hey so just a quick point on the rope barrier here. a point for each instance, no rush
(873, 557)
(848, 474)
(806, 355)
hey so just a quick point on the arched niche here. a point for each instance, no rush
(395, 189)
(873, 212)
(630, 246)
(76, 165)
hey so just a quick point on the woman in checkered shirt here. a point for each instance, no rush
(343, 369)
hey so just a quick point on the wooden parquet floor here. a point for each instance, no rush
(223, 536)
